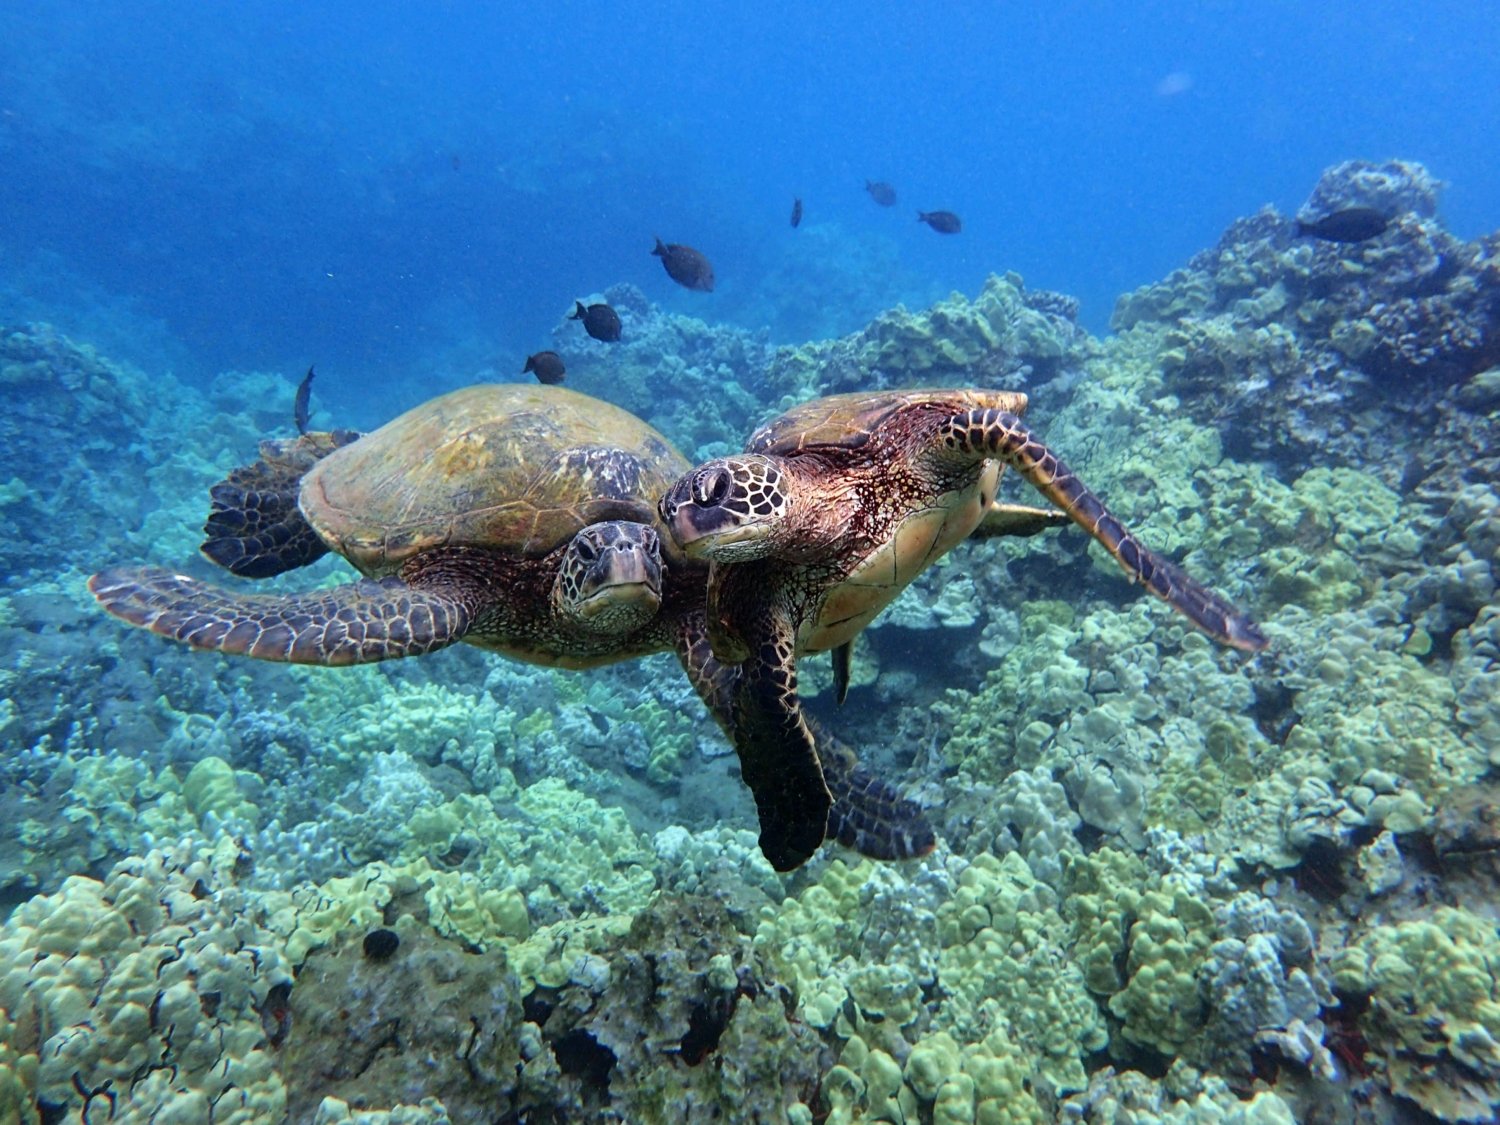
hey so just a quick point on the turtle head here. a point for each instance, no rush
(728, 510)
(609, 578)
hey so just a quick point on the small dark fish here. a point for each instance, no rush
(1352, 224)
(881, 192)
(300, 404)
(796, 212)
(455, 161)
(944, 222)
(547, 367)
(599, 321)
(1415, 473)
(685, 266)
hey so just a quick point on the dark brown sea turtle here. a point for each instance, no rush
(520, 518)
(835, 507)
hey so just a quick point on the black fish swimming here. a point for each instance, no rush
(1352, 224)
(881, 192)
(796, 212)
(599, 321)
(548, 366)
(301, 403)
(944, 222)
(685, 266)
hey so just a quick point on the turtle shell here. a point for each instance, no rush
(904, 539)
(848, 421)
(511, 467)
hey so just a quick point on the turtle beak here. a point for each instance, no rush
(621, 574)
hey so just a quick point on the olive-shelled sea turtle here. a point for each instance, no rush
(835, 507)
(520, 518)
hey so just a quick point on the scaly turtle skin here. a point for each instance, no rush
(835, 507)
(514, 517)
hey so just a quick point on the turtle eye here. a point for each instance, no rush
(585, 550)
(710, 489)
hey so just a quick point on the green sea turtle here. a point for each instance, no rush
(519, 518)
(835, 507)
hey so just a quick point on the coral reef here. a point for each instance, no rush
(1269, 336)
(1433, 992)
(153, 994)
(1007, 336)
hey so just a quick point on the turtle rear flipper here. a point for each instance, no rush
(868, 813)
(255, 528)
(360, 623)
(1017, 521)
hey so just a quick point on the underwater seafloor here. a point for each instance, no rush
(1173, 883)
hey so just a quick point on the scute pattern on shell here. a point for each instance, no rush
(498, 465)
(847, 421)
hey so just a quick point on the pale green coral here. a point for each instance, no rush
(567, 852)
(1434, 988)
(1003, 1089)
(144, 984)
(110, 805)
(566, 952)
(810, 932)
(309, 917)
(999, 965)
(1038, 668)
(1013, 956)
(461, 907)
(211, 787)
(866, 1085)
(950, 341)
(1181, 293)
(1161, 1003)
(1371, 707)
(336, 1111)
(933, 1060)
(17, 1086)
(370, 713)
(1103, 892)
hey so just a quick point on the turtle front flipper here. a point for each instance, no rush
(255, 528)
(999, 433)
(756, 703)
(868, 814)
(360, 623)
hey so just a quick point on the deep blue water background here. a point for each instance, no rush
(416, 193)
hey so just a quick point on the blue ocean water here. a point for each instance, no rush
(386, 188)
